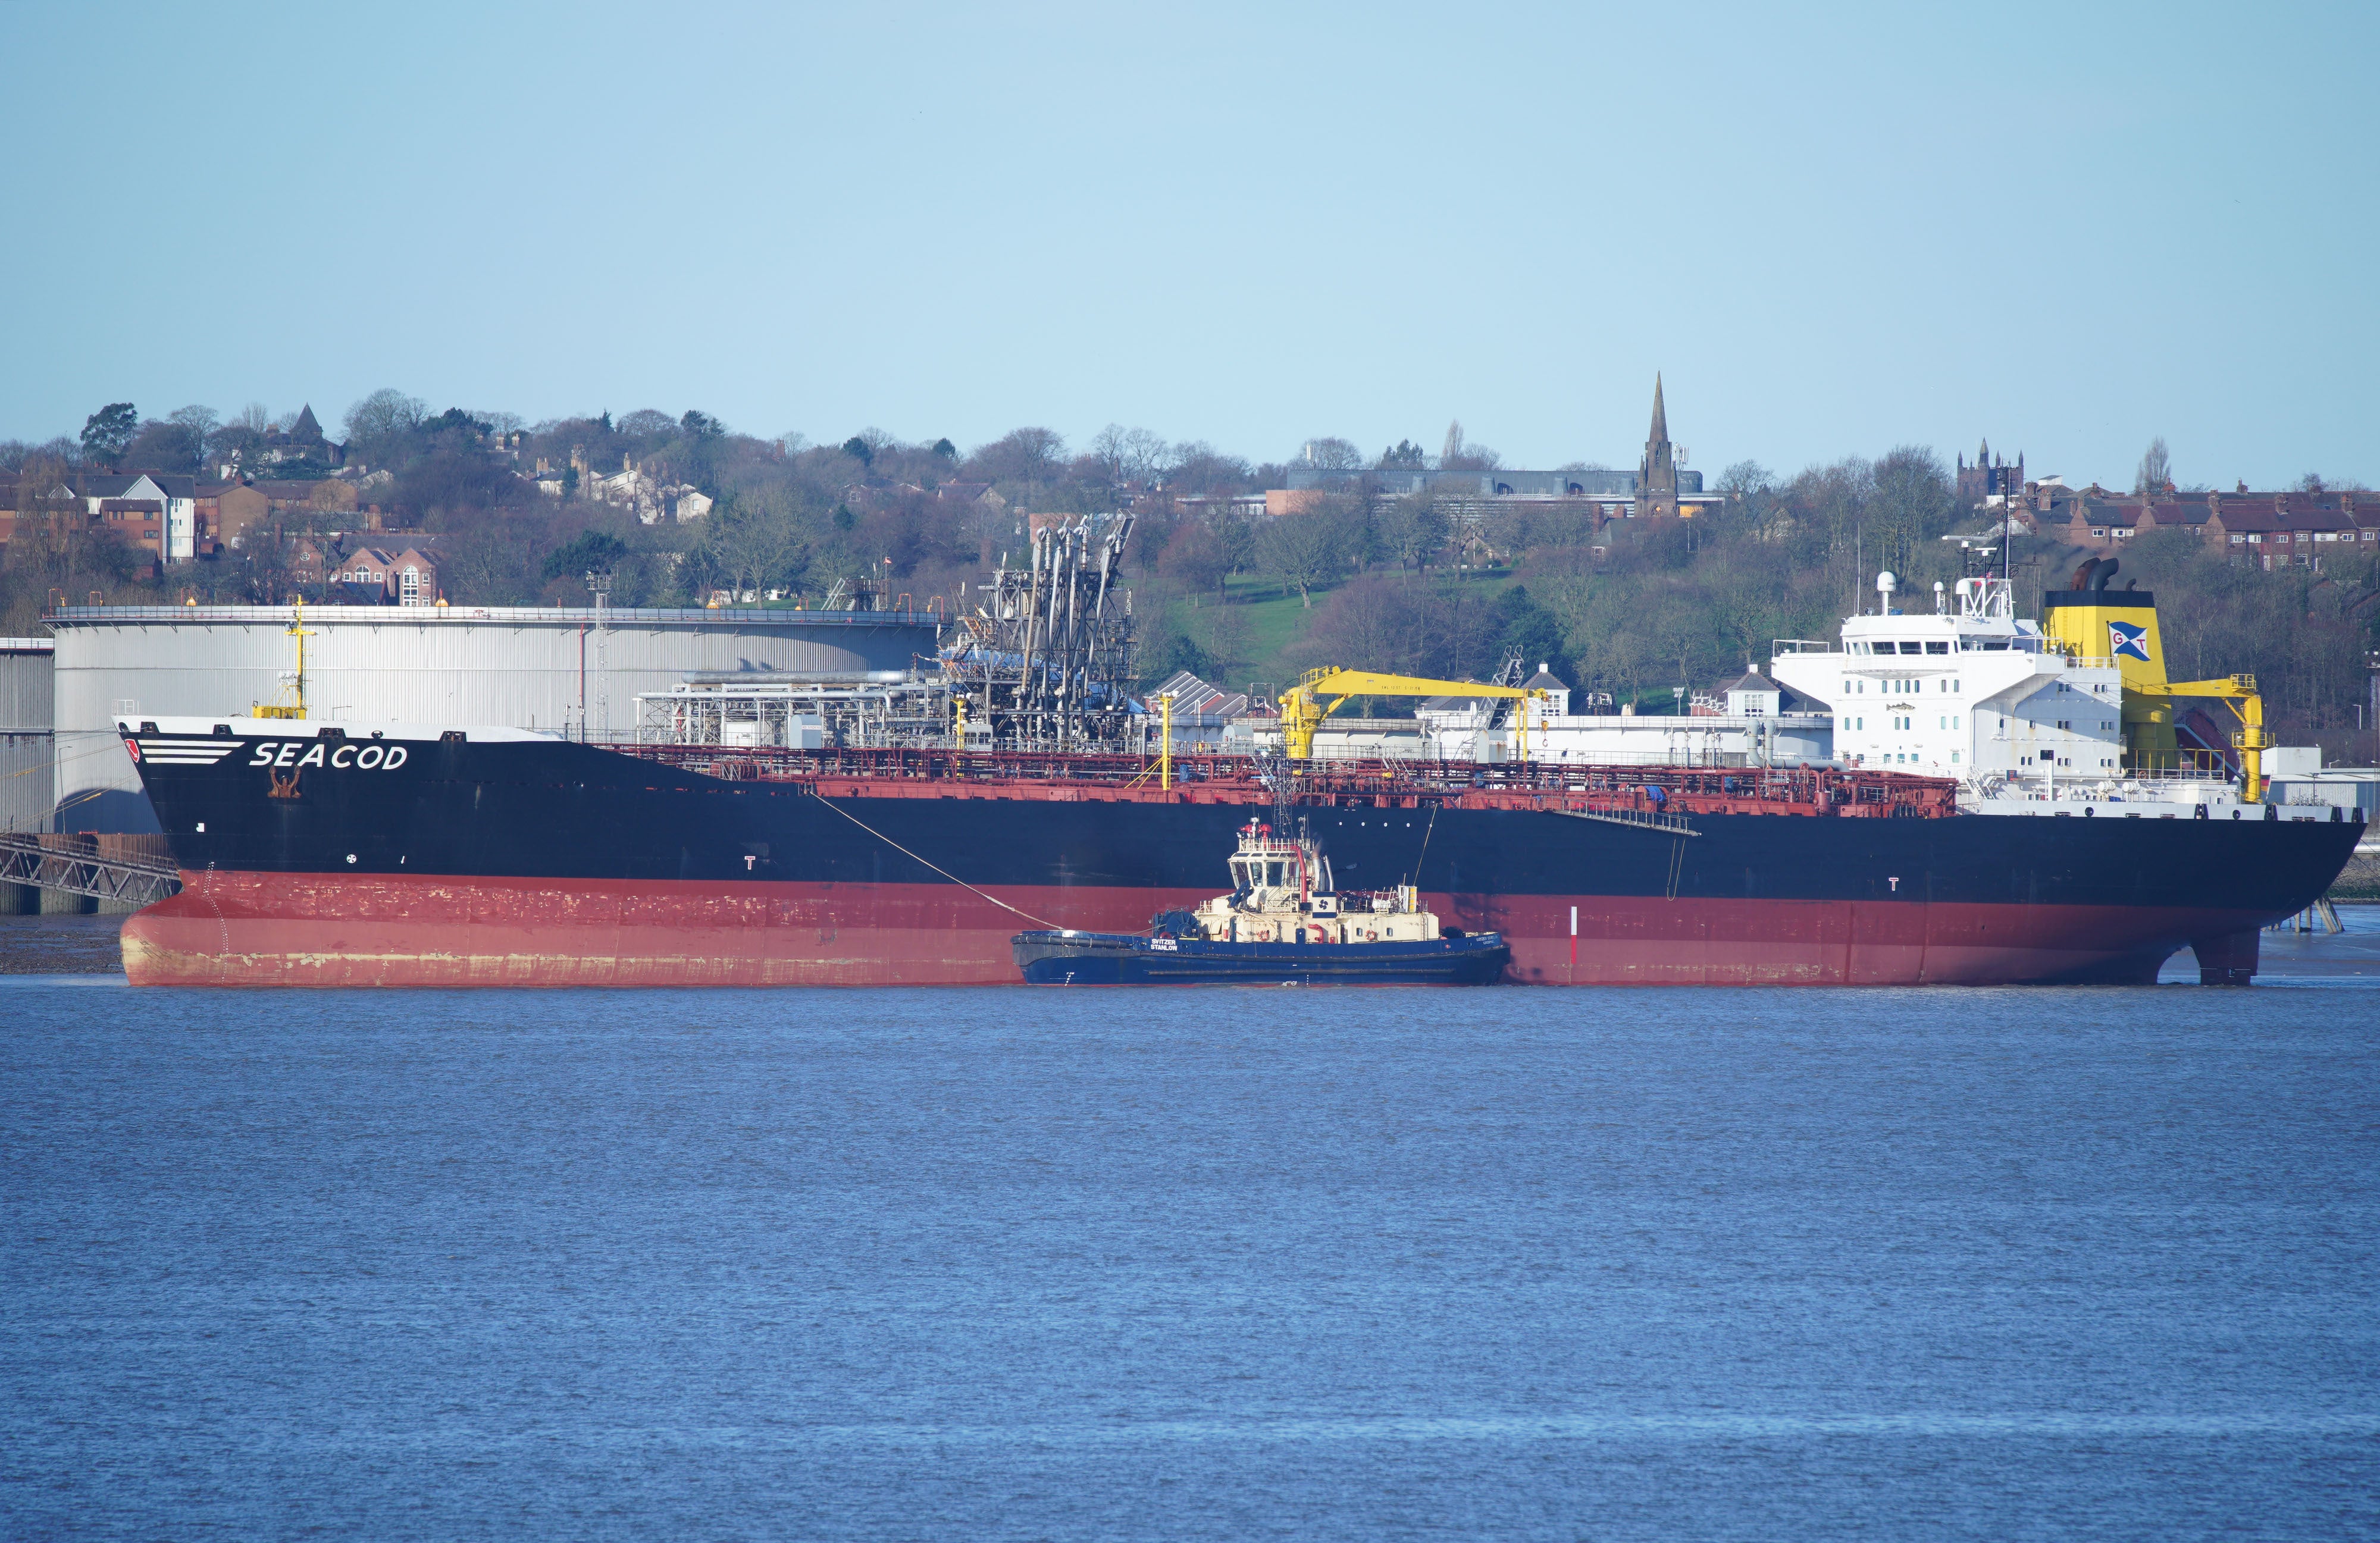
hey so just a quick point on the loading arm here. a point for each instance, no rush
(2251, 742)
(1302, 707)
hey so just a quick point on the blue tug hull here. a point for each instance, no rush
(1060, 959)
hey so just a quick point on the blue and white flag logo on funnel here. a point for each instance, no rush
(2126, 641)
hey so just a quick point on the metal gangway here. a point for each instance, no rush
(51, 863)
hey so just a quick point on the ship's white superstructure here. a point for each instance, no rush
(1967, 689)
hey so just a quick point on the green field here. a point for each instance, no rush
(1264, 631)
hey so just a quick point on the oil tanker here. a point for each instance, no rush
(337, 854)
(431, 857)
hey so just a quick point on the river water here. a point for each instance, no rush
(1012, 1264)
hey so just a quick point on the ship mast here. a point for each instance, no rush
(293, 686)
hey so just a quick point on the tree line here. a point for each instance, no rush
(1417, 584)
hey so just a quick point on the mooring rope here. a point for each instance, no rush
(935, 866)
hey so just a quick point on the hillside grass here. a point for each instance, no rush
(1273, 625)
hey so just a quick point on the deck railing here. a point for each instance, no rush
(1310, 782)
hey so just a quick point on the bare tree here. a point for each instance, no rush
(752, 542)
(1194, 559)
(1461, 455)
(177, 442)
(1308, 550)
(1226, 636)
(197, 423)
(1108, 450)
(1744, 480)
(1914, 499)
(1334, 455)
(383, 415)
(1146, 456)
(1027, 455)
(2156, 469)
(1199, 467)
(648, 423)
(1412, 530)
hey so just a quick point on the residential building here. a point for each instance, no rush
(139, 521)
(2292, 530)
(27, 499)
(376, 576)
(635, 488)
(2267, 530)
(174, 495)
(978, 495)
(1245, 505)
(225, 512)
(306, 495)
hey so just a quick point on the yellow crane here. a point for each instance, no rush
(1302, 708)
(2251, 742)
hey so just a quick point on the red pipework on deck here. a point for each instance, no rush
(1854, 793)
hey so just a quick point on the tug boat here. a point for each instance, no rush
(1285, 923)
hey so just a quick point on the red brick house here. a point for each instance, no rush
(375, 576)
(140, 522)
(2292, 530)
(2268, 530)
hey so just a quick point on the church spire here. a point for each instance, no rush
(1657, 474)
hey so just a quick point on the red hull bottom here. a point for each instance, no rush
(300, 930)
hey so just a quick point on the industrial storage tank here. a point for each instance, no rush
(517, 666)
(26, 749)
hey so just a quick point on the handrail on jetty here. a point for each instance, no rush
(77, 866)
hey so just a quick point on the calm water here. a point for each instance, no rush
(1003, 1264)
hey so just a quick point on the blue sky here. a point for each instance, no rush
(1833, 229)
